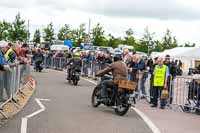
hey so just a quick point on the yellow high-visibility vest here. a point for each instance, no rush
(7, 53)
(159, 75)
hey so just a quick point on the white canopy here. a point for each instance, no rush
(59, 47)
(181, 53)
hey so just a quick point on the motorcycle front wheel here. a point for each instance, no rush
(75, 82)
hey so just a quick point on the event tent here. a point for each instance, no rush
(190, 56)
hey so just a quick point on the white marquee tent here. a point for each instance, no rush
(190, 56)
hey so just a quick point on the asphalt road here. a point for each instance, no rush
(69, 110)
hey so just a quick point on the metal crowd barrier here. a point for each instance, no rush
(89, 68)
(57, 63)
(186, 93)
(12, 81)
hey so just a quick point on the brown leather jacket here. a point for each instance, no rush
(118, 69)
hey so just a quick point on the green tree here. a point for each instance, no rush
(5, 28)
(146, 43)
(168, 41)
(37, 36)
(80, 35)
(98, 37)
(64, 33)
(129, 39)
(49, 35)
(158, 46)
(18, 30)
(189, 45)
(113, 42)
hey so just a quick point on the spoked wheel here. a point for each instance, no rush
(122, 106)
(95, 96)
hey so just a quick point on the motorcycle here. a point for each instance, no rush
(118, 99)
(74, 76)
(38, 66)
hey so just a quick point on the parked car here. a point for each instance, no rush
(106, 49)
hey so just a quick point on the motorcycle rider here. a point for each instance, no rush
(119, 72)
(38, 58)
(74, 63)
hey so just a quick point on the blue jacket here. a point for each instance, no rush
(141, 66)
(3, 59)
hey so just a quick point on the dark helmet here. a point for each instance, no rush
(116, 58)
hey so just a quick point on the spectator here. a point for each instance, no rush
(4, 66)
(161, 73)
(23, 53)
(88, 63)
(126, 55)
(128, 64)
(142, 75)
(100, 60)
(133, 69)
(107, 59)
(10, 53)
(173, 72)
(151, 70)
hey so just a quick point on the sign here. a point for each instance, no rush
(68, 43)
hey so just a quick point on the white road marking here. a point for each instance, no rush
(93, 82)
(150, 124)
(35, 113)
(24, 125)
(25, 119)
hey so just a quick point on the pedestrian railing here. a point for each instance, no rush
(185, 93)
(11, 82)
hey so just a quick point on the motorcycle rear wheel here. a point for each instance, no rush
(95, 95)
(122, 108)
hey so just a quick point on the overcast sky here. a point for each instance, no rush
(182, 17)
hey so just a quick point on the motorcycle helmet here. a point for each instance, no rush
(116, 58)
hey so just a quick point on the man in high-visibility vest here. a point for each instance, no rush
(161, 72)
(10, 54)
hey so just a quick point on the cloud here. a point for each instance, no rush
(18, 4)
(156, 9)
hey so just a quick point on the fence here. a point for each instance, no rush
(182, 92)
(12, 81)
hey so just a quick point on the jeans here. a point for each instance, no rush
(104, 85)
(156, 94)
(142, 86)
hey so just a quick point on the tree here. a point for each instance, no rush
(168, 41)
(64, 33)
(188, 45)
(80, 35)
(98, 38)
(37, 36)
(129, 38)
(49, 33)
(5, 28)
(18, 30)
(147, 43)
(158, 46)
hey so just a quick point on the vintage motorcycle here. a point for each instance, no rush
(74, 75)
(120, 99)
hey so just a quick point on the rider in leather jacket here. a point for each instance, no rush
(119, 72)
